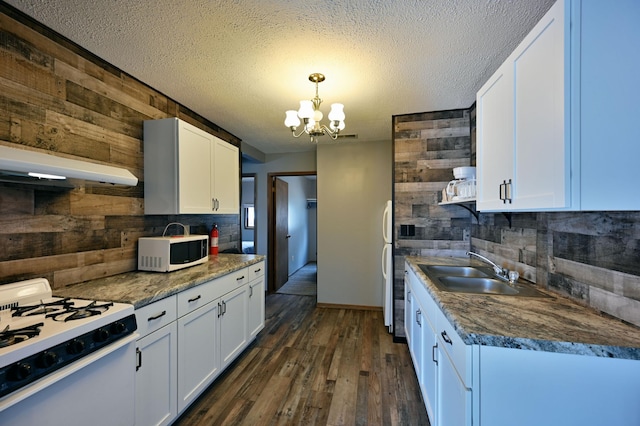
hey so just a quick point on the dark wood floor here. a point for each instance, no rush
(315, 366)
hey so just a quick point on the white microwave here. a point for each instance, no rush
(166, 254)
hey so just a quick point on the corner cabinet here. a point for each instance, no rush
(554, 121)
(464, 385)
(188, 340)
(188, 171)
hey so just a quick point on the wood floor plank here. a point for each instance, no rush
(314, 366)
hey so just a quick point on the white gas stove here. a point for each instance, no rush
(45, 340)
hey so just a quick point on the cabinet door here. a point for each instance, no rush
(454, 399)
(256, 307)
(233, 324)
(495, 148)
(156, 377)
(226, 177)
(407, 307)
(541, 154)
(429, 379)
(417, 347)
(194, 164)
(199, 361)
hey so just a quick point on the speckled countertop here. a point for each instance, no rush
(141, 288)
(555, 324)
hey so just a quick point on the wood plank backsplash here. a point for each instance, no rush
(427, 146)
(56, 96)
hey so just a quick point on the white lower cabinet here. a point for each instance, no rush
(256, 299)
(454, 399)
(156, 364)
(190, 338)
(464, 385)
(233, 324)
(199, 357)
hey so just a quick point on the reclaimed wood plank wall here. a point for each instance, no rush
(591, 257)
(427, 146)
(57, 97)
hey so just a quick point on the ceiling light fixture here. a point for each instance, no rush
(311, 116)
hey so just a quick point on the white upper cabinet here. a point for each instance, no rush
(494, 118)
(225, 178)
(188, 171)
(554, 122)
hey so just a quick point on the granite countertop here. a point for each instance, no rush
(555, 324)
(141, 288)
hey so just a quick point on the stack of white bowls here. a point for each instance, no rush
(464, 173)
(464, 185)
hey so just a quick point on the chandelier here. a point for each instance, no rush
(311, 116)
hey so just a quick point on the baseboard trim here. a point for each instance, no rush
(357, 307)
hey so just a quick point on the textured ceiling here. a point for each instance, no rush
(242, 63)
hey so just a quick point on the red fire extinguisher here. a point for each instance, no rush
(213, 250)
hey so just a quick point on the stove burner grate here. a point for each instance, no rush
(41, 308)
(71, 312)
(11, 337)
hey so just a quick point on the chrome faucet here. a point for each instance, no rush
(502, 273)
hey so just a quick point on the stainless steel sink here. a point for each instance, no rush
(477, 285)
(475, 280)
(454, 271)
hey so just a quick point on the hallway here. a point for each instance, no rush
(303, 282)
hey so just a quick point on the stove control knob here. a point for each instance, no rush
(75, 347)
(46, 359)
(118, 327)
(19, 372)
(101, 335)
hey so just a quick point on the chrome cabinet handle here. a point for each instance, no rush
(433, 353)
(155, 317)
(446, 338)
(505, 192)
(250, 291)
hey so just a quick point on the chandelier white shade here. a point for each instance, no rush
(311, 116)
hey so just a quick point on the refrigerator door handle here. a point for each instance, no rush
(386, 223)
(384, 260)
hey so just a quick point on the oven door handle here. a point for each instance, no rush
(60, 374)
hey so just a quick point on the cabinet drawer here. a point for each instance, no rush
(256, 271)
(230, 282)
(458, 352)
(156, 315)
(195, 297)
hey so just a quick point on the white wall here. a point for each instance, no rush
(274, 163)
(354, 182)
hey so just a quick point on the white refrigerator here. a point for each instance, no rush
(387, 265)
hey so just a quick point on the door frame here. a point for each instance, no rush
(255, 209)
(271, 224)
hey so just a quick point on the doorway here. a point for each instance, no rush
(248, 218)
(282, 261)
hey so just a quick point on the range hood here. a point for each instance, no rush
(24, 166)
